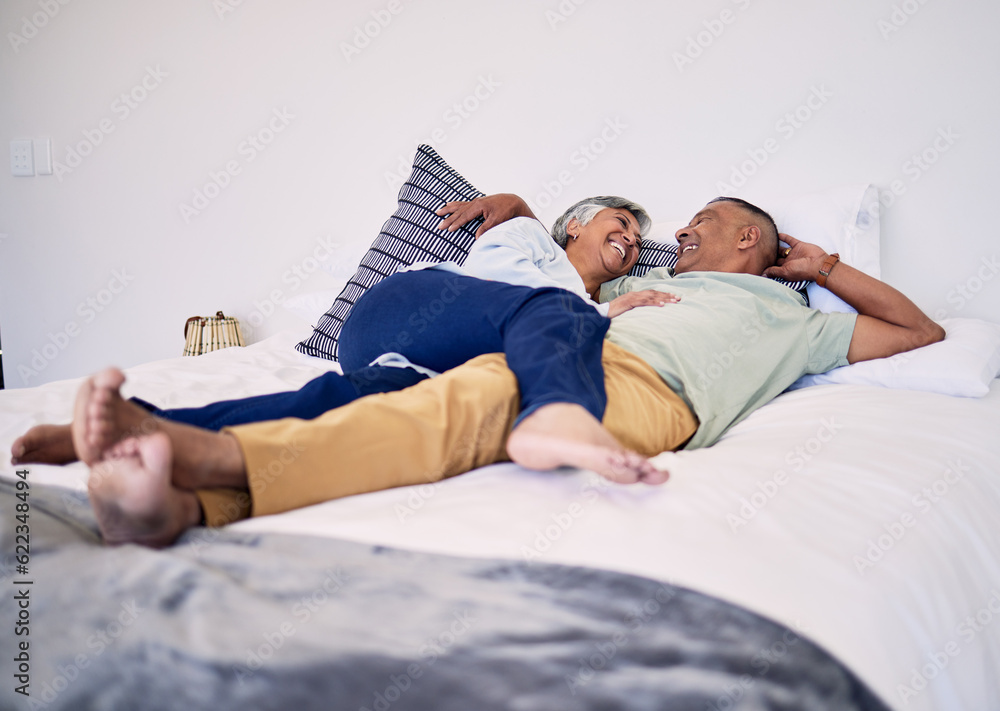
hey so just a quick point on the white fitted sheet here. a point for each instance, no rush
(858, 463)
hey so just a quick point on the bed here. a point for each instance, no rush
(839, 548)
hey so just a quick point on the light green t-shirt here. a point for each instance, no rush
(732, 343)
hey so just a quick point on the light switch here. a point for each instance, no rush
(21, 160)
(43, 156)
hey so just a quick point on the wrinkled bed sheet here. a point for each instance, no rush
(863, 517)
(229, 620)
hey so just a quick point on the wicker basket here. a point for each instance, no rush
(210, 333)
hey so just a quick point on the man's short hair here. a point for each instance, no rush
(768, 230)
(585, 211)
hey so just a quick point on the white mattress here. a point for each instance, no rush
(917, 472)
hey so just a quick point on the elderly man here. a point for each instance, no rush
(675, 377)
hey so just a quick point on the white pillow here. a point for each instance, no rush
(843, 220)
(665, 231)
(963, 364)
(310, 305)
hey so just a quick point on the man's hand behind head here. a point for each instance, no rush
(800, 261)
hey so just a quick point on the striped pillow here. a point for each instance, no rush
(652, 255)
(409, 236)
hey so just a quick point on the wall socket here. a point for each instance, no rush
(22, 161)
(43, 156)
(31, 156)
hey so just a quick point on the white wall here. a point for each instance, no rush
(550, 77)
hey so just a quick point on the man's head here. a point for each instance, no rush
(728, 235)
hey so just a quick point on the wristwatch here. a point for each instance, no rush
(824, 271)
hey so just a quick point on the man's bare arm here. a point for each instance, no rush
(888, 322)
(494, 209)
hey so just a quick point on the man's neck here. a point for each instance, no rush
(735, 268)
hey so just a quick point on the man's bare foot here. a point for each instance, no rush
(44, 444)
(102, 418)
(562, 434)
(133, 498)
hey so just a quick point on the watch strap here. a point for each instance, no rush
(824, 270)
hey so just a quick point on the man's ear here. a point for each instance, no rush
(749, 237)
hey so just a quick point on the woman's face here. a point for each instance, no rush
(609, 244)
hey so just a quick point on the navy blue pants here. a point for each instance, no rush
(552, 339)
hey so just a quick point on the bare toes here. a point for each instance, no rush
(133, 498)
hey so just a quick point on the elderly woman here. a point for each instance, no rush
(520, 291)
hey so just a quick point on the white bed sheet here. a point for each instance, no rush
(860, 463)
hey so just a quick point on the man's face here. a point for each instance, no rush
(709, 242)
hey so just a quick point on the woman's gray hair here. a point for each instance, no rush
(585, 210)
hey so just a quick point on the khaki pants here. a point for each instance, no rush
(436, 429)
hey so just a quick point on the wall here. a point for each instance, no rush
(292, 119)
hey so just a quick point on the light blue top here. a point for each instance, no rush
(519, 251)
(732, 343)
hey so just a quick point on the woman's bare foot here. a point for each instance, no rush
(102, 418)
(44, 444)
(562, 434)
(133, 498)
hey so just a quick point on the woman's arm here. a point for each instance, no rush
(494, 209)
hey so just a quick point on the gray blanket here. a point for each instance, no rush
(225, 620)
